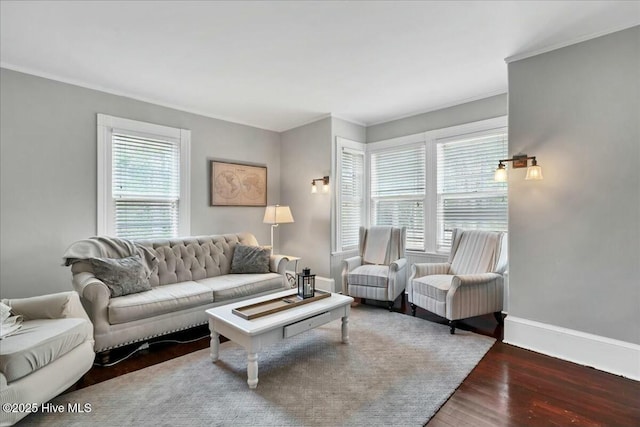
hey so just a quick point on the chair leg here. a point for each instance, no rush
(391, 305)
(499, 318)
(452, 326)
(403, 304)
(413, 309)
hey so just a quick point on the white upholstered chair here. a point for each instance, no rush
(379, 272)
(50, 352)
(469, 284)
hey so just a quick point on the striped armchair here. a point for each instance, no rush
(469, 284)
(379, 272)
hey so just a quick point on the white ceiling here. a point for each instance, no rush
(277, 65)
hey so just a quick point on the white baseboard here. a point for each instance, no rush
(325, 284)
(605, 354)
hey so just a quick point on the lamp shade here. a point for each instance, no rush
(500, 174)
(534, 172)
(277, 214)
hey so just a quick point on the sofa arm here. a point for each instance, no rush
(278, 264)
(349, 264)
(95, 296)
(90, 288)
(473, 280)
(397, 278)
(398, 265)
(428, 268)
(474, 294)
(53, 306)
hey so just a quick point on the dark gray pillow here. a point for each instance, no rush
(250, 259)
(123, 276)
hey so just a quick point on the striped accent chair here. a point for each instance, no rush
(379, 272)
(469, 284)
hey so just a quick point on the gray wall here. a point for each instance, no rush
(575, 237)
(48, 174)
(344, 129)
(474, 111)
(306, 155)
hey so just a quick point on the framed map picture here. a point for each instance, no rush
(234, 184)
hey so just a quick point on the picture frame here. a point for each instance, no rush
(237, 184)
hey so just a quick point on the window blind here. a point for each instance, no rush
(351, 197)
(467, 195)
(145, 186)
(398, 186)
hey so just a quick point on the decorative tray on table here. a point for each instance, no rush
(275, 305)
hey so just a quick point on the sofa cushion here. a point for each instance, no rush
(38, 343)
(369, 275)
(159, 300)
(123, 276)
(250, 259)
(231, 286)
(434, 286)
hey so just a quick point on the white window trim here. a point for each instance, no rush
(340, 144)
(106, 126)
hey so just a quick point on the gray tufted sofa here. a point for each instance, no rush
(192, 276)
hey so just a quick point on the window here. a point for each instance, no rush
(398, 190)
(351, 194)
(467, 196)
(430, 183)
(143, 179)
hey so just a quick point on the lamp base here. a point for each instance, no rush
(273, 251)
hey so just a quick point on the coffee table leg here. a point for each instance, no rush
(252, 370)
(215, 342)
(345, 329)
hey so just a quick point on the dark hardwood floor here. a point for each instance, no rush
(509, 387)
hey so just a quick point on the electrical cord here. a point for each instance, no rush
(144, 346)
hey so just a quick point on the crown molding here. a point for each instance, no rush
(110, 91)
(441, 107)
(535, 52)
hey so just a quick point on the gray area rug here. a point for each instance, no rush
(397, 370)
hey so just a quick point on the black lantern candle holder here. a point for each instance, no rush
(306, 284)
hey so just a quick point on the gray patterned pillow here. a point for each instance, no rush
(250, 259)
(123, 276)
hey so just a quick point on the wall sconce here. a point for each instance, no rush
(534, 172)
(325, 185)
(275, 215)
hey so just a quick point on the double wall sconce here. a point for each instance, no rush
(325, 184)
(534, 172)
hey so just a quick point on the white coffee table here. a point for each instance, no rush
(260, 332)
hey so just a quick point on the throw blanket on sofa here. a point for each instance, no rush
(109, 247)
